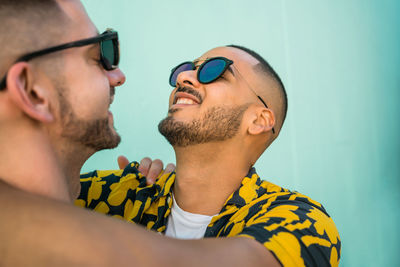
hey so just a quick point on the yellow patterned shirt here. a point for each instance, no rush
(296, 229)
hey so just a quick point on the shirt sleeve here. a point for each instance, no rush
(297, 233)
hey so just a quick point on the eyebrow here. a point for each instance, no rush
(231, 70)
(93, 50)
(94, 46)
(197, 61)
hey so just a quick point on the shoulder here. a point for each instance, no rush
(294, 227)
(96, 186)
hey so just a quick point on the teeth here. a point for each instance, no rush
(185, 101)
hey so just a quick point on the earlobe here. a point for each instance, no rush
(28, 96)
(263, 121)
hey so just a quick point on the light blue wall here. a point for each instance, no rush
(340, 61)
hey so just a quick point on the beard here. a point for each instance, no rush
(217, 124)
(94, 134)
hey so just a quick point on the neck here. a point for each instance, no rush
(29, 162)
(71, 162)
(207, 174)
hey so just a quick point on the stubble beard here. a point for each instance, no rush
(217, 124)
(94, 134)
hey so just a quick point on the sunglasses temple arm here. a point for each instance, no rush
(3, 83)
(265, 104)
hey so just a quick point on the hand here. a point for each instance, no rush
(150, 169)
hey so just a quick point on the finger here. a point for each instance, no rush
(144, 166)
(122, 162)
(169, 168)
(155, 169)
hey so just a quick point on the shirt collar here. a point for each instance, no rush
(164, 184)
(249, 189)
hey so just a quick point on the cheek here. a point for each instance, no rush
(220, 96)
(90, 96)
(87, 84)
(171, 97)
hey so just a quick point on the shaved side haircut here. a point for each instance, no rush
(26, 26)
(265, 68)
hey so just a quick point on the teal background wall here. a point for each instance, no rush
(340, 62)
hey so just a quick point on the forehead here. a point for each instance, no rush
(242, 60)
(79, 24)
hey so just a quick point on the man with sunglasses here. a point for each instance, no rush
(81, 127)
(59, 79)
(225, 110)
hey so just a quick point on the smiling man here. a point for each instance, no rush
(58, 81)
(225, 110)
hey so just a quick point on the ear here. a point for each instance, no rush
(263, 120)
(28, 96)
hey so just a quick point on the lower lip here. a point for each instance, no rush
(183, 105)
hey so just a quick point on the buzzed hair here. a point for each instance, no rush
(26, 26)
(266, 68)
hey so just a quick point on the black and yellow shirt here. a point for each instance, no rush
(295, 228)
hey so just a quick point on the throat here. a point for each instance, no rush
(204, 181)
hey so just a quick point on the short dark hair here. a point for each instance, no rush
(267, 69)
(28, 25)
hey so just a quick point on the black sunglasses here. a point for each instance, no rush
(109, 50)
(209, 71)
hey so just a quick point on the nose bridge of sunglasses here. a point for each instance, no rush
(188, 75)
(186, 69)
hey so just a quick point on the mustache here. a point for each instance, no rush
(191, 91)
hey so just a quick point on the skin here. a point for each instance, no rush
(110, 243)
(204, 190)
(40, 193)
(30, 109)
(149, 168)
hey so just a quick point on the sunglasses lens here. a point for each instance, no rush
(211, 70)
(109, 54)
(175, 72)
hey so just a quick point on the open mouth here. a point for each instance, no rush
(186, 101)
(182, 98)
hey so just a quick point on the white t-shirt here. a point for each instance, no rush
(185, 225)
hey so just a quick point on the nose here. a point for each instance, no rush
(187, 77)
(116, 77)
